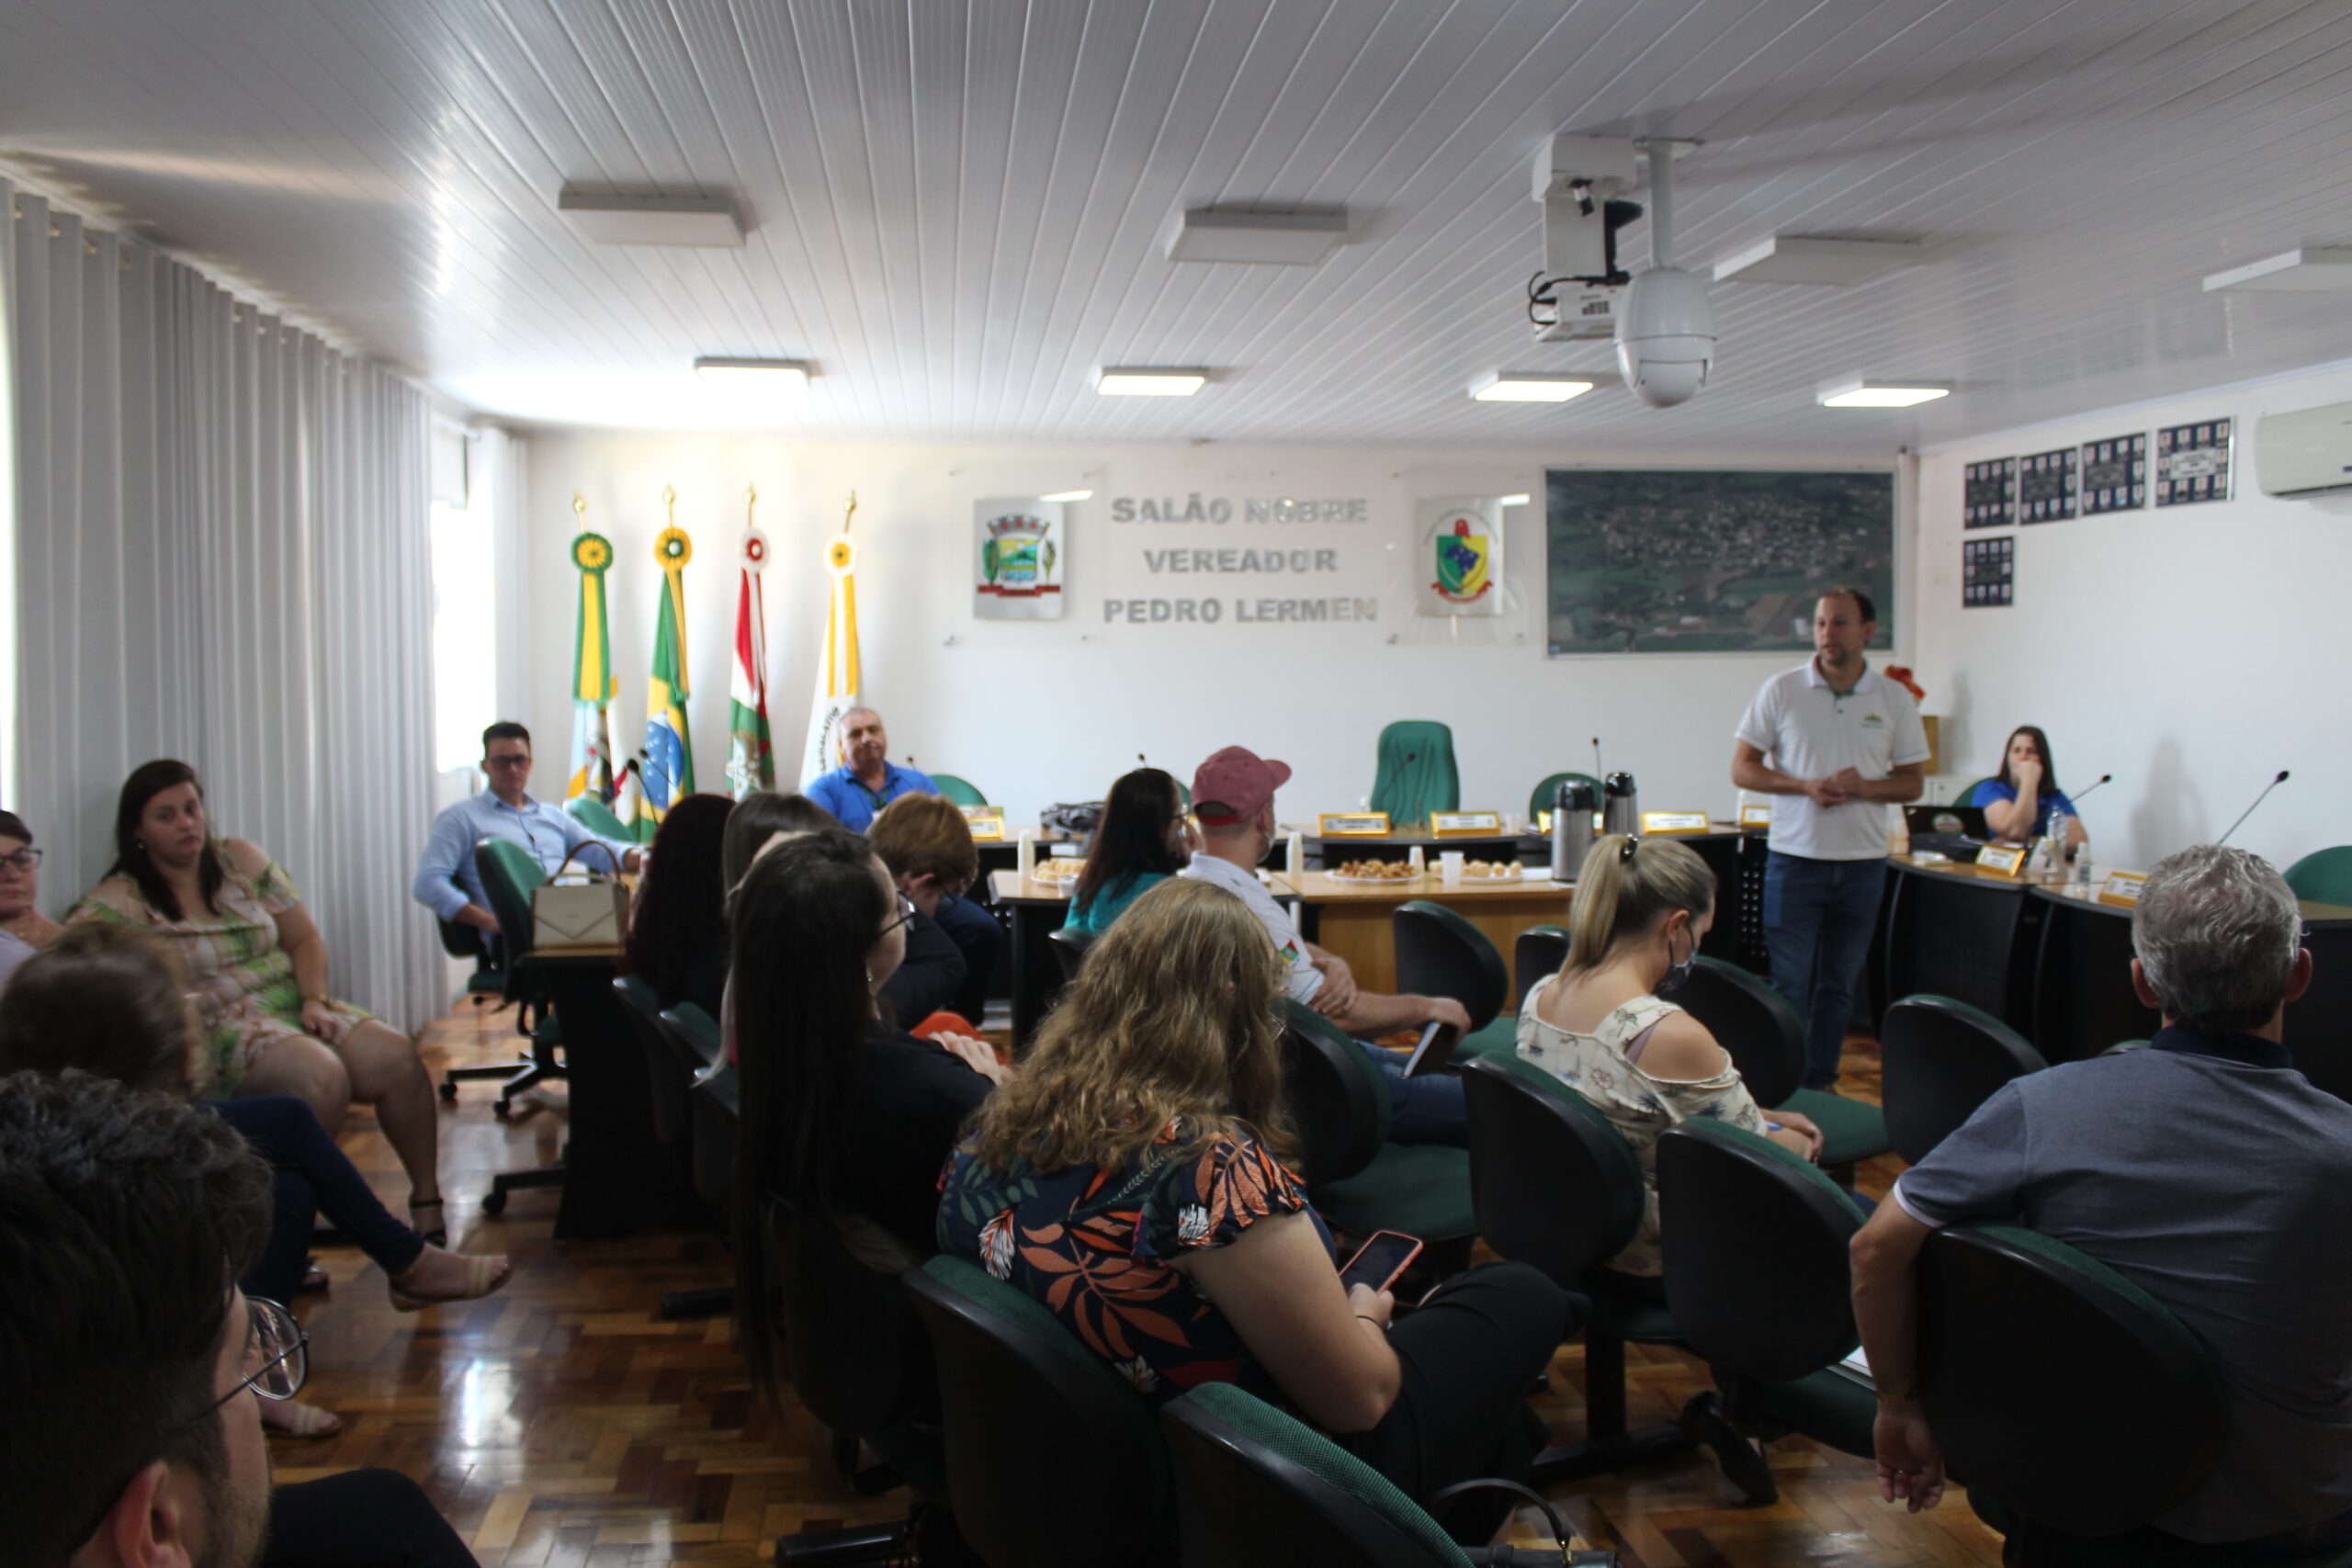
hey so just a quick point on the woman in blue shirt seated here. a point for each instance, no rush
(2018, 801)
(1145, 837)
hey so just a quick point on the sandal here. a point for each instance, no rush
(313, 1277)
(287, 1418)
(483, 1275)
(439, 1234)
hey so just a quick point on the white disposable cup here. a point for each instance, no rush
(1450, 868)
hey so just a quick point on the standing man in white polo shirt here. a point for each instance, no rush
(1838, 741)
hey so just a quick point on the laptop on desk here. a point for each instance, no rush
(1955, 831)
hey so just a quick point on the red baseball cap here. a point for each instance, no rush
(1240, 780)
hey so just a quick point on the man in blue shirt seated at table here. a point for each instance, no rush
(865, 781)
(2206, 1170)
(447, 882)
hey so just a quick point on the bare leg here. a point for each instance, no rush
(304, 1068)
(386, 1073)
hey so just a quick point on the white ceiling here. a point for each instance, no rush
(955, 209)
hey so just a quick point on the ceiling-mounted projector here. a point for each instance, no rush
(1666, 331)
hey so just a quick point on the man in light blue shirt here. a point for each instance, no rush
(447, 882)
(865, 781)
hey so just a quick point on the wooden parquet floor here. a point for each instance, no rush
(563, 1422)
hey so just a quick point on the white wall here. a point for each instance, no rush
(2192, 651)
(1035, 713)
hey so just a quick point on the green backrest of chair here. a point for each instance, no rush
(508, 874)
(1022, 1310)
(957, 792)
(1440, 953)
(697, 1026)
(1350, 1077)
(597, 816)
(1539, 799)
(1939, 1059)
(1752, 1022)
(1416, 774)
(2324, 876)
(1260, 1423)
(1553, 1181)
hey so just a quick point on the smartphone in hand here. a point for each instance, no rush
(1380, 1260)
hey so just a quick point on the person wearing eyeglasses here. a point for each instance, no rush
(844, 1114)
(24, 930)
(133, 1388)
(447, 882)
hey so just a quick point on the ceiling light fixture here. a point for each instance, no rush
(1531, 387)
(612, 219)
(1250, 234)
(1143, 381)
(1068, 495)
(2307, 268)
(1858, 393)
(1805, 258)
(762, 377)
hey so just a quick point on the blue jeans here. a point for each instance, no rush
(310, 1175)
(1818, 915)
(1426, 1110)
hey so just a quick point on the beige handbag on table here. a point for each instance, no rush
(593, 913)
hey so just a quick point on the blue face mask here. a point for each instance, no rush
(1677, 974)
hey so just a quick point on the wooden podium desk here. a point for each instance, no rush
(1325, 851)
(1352, 918)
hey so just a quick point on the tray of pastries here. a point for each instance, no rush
(1058, 868)
(1376, 871)
(1491, 871)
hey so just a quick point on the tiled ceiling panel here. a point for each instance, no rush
(957, 211)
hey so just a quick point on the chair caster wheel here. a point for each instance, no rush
(502, 1109)
(448, 1091)
(494, 1204)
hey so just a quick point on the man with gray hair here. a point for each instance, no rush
(2207, 1170)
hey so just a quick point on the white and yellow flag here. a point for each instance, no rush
(837, 672)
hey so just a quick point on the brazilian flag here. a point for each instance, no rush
(669, 748)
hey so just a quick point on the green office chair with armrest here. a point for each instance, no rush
(2323, 877)
(488, 982)
(1557, 1187)
(508, 875)
(1361, 1182)
(713, 1107)
(592, 813)
(1765, 1040)
(1939, 1060)
(1539, 801)
(1541, 950)
(1440, 953)
(957, 792)
(1416, 773)
(1745, 1222)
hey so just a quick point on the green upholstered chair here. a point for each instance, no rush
(1257, 1488)
(713, 1105)
(1540, 951)
(1743, 1222)
(1556, 1186)
(1415, 774)
(1939, 1060)
(1359, 1180)
(1053, 1460)
(1539, 799)
(1439, 953)
(2063, 1394)
(956, 792)
(2323, 877)
(592, 814)
(508, 875)
(487, 982)
(667, 1081)
(1765, 1040)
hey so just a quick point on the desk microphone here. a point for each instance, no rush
(1597, 772)
(2103, 778)
(2259, 799)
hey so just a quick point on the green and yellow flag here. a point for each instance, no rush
(669, 751)
(593, 686)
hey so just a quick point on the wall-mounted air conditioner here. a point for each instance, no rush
(2306, 452)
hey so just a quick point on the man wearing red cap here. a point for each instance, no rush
(1233, 796)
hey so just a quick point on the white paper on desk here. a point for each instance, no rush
(1856, 1368)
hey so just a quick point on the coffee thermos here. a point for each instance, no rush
(1620, 810)
(1572, 809)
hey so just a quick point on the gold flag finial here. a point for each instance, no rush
(579, 504)
(750, 496)
(849, 511)
(669, 502)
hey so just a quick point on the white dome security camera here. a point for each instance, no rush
(1666, 336)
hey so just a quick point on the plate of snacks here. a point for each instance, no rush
(1376, 870)
(1058, 868)
(1490, 871)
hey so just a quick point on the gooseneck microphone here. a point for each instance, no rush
(2103, 778)
(2259, 799)
(1597, 770)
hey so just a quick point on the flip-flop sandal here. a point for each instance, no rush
(483, 1275)
(299, 1421)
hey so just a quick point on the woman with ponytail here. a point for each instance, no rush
(1642, 907)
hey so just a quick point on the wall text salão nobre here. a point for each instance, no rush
(1194, 508)
(1209, 612)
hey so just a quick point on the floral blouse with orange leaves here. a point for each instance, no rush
(1095, 1246)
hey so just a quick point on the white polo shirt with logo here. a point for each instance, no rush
(1303, 979)
(1808, 731)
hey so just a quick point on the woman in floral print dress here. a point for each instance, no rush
(1131, 1179)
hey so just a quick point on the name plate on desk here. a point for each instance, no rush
(2001, 860)
(1674, 822)
(2123, 888)
(1352, 824)
(1465, 824)
(1756, 817)
(987, 823)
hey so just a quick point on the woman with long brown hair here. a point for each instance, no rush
(1131, 1179)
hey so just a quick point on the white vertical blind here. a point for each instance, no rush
(221, 556)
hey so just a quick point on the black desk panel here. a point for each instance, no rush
(1972, 939)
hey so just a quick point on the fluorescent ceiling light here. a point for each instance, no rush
(1068, 495)
(615, 220)
(1516, 500)
(1142, 381)
(1804, 258)
(1531, 387)
(2307, 268)
(1284, 238)
(762, 377)
(1855, 392)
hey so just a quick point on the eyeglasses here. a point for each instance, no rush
(277, 1363)
(521, 762)
(906, 912)
(23, 860)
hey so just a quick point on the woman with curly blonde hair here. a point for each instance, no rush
(1131, 1179)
